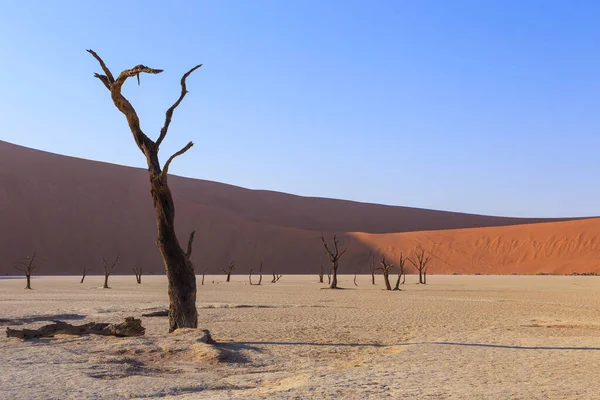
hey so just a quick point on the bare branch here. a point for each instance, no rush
(169, 114)
(109, 76)
(180, 152)
(190, 242)
(135, 71)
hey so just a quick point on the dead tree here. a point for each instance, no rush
(203, 278)
(260, 276)
(401, 273)
(385, 269)
(229, 270)
(84, 274)
(321, 274)
(328, 277)
(421, 264)
(138, 271)
(355, 284)
(372, 261)
(27, 268)
(334, 257)
(180, 271)
(108, 270)
(276, 277)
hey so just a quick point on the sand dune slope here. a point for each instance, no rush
(73, 211)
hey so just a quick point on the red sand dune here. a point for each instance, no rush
(73, 211)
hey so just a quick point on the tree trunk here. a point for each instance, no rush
(203, 279)
(420, 276)
(355, 284)
(424, 277)
(397, 287)
(82, 278)
(28, 277)
(228, 276)
(106, 281)
(372, 277)
(334, 276)
(386, 279)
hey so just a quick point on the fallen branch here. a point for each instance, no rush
(131, 327)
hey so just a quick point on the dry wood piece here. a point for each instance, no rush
(334, 259)
(229, 270)
(107, 270)
(27, 267)
(138, 271)
(180, 271)
(160, 313)
(131, 327)
(421, 264)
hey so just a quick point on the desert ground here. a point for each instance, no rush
(458, 337)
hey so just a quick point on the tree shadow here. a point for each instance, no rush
(505, 346)
(39, 318)
(313, 344)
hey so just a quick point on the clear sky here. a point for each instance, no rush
(482, 106)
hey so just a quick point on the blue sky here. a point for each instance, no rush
(488, 107)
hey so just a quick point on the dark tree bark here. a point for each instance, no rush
(27, 268)
(108, 270)
(401, 274)
(321, 274)
(229, 270)
(131, 327)
(385, 269)
(334, 257)
(138, 271)
(421, 264)
(180, 271)
(84, 274)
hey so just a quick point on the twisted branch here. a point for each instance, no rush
(180, 152)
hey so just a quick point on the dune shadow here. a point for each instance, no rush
(506, 346)
(313, 344)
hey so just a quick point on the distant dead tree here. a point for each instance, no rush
(260, 275)
(27, 268)
(355, 284)
(321, 274)
(229, 270)
(401, 273)
(276, 277)
(107, 270)
(372, 261)
(328, 277)
(84, 274)
(421, 264)
(385, 269)
(334, 257)
(138, 271)
(203, 277)
(180, 270)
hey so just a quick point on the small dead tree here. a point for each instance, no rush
(355, 284)
(108, 270)
(321, 274)
(276, 277)
(260, 275)
(27, 268)
(328, 277)
(84, 274)
(203, 278)
(385, 269)
(334, 257)
(372, 261)
(401, 274)
(180, 270)
(421, 264)
(229, 270)
(138, 271)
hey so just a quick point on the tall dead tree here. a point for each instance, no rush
(107, 270)
(401, 273)
(385, 269)
(334, 257)
(138, 271)
(179, 268)
(84, 274)
(229, 270)
(421, 264)
(27, 268)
